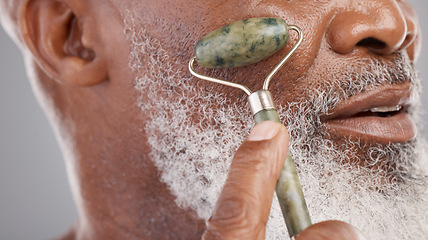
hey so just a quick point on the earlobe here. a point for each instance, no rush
(56, 39)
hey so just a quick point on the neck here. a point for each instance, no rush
(115, 184)
(125, 199)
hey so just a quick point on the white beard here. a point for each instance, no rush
(195, 132)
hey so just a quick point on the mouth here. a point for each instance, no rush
(380, 115)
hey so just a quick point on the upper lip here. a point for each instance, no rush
(383, 96)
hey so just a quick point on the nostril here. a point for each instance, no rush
(372, 43)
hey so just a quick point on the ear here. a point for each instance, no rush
(60, 43)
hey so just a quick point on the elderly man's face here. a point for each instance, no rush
(348, 97)
(341, 38)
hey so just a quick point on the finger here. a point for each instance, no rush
(243, 207)
(331, 230)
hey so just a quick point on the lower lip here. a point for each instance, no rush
(397, 128)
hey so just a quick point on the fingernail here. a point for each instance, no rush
(264, 131)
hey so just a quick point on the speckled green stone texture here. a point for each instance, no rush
(266, 115)
(291, 199)
(288, 188)
(242, 43)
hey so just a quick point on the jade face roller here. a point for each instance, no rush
(243, 43)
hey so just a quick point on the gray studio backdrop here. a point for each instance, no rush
(35, 198)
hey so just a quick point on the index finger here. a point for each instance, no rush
(243, 207)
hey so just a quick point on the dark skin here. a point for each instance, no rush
(78, 58)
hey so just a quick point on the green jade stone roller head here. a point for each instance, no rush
(243, 43)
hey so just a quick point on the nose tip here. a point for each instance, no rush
(380, 30)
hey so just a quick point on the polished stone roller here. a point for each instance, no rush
(242, 43)
(288, 188)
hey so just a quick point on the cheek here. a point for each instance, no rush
(181, 26)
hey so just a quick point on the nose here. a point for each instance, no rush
(380, 26)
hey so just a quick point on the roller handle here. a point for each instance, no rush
(288, 188)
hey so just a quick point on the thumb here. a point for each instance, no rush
(331, 230)
(242, 210)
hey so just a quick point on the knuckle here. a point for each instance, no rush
(263, 160)
(231, 212)
(252, 156)
(233, 218)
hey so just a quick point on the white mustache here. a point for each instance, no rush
(362, 76)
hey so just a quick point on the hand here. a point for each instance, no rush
(330, 230)
(242, 210)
